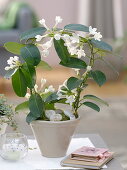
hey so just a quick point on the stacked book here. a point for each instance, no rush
(88, 157)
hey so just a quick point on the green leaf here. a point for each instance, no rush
(30, 117)
(61, 50)
(92, 97)
(73, 83)
(74, 63)
(99, 77)
(49, 106)
(44, 65)
(14, 47)
(22, 106)
(36, 105)
(77, 27)
(92, 106)
(10, 73)
(31, 54)
(101, 45)
(19, 83)
(51, 97)
(32, 33)
(30, 75)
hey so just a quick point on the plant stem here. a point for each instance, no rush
(79, 89)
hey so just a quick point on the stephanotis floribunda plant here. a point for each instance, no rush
(78, 47)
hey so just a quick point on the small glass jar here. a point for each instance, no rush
(13, 146)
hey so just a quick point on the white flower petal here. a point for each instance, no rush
(98, 36)
(92, 31)
(36, 87)
(38, 38)
(58, 19)
(27, 95)
(57, 36)
(89, 68)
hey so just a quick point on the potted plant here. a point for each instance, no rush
(78, 47)
(6, 115)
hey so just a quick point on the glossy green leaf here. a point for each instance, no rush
(19, 83)
(49, 106)
(14, 47)
(92, 106)
(97, 99)
(99, 77)
(10, 73)
(74, 63)
(61, 50)
(30, 75)
(44, 65)
(101, 45)
(32, 33)
(30, 117)
(22, 106)
(73, 83)
(51, 97)
(31, 54)
(77, 27)
(36, 105)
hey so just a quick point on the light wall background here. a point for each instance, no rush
(49, 9)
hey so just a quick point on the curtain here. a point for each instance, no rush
(109, 16)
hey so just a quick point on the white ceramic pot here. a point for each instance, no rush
(3, 126)
(54, 137)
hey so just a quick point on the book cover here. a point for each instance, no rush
(68, 162)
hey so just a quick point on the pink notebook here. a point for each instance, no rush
(89, 152)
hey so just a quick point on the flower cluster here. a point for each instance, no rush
(13, 62)
(42, 90)
(64, 92)
(97, 35)
(72, 40)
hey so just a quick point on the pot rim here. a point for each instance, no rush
(55, 122)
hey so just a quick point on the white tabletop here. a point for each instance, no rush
(35, 161)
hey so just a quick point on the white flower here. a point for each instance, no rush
(49, 89)
(42, 22)
(72, 50)
(58, 19)
(16, 58)
(47, 45)
(7, 68)
(56, 117)
(13, 62)
(36, 87)
(92, 31)
(66, 37)
(74, 38)
(81, 53)
(27, 95)
(89, 68)
(57, 36)
(98, 36)
(70, 99)
(43, 82)
(49, 113)
(45, 53)
(68, 44)
(38, 38)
